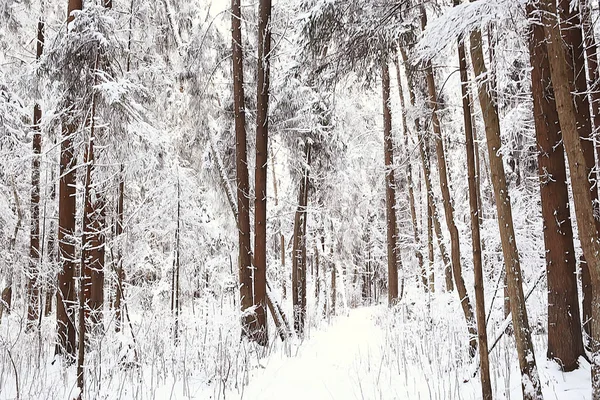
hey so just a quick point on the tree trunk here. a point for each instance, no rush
(119, 261)
(529, 375)
(486, 387)
(574, 146)
(431, 275)
(243, 201)
(33, 290)
(260, 203)
(299, 251)
(428, 188)
(565, 344)
(593, 79)
(390, 192)
(406, 155)
(447, 202)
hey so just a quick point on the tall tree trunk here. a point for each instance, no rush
(390, 192)
(428, 187)
(65, 299)
(562, 83)
(431, 275)
(119, 295)
(281, 238)
(299, 251)
(119, 261)
(260, 203)
(486, 386)
(565, 344)
(572, 35)
(447, 201)
(529, 375)
(33, 290)
(593, 80)
(243, 201)
(411, 194)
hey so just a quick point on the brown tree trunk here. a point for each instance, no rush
(243, 201)
(281, 238)
(428, 188)
(593, 79)
(486, 387)
(431, 278)
(447, 202)
(390, 193)
(299, 251)
(529, 375)
(119, 261)
(65, 298)
(260, 203)
(562, 83)
(33, 290)
(565, 344)
(411, 194)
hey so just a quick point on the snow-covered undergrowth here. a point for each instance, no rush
(418, 350)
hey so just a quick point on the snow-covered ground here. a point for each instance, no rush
(367, 353)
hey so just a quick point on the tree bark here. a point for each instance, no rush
(65, 299)
(411, 194)
(243, 201)
(447, 201)
(390, 192)
(574, 146)
(260, 203)
(565, 344)
(299, 251)
(119, 261)
(33, 290)
(486, 387)
(529, 375)
(593, 79)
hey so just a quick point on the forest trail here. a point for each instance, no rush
(336, 363)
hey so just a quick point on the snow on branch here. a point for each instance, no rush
(458, 22)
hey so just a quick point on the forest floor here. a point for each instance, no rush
(353, 359)
(418, 351)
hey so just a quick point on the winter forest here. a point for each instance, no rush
(302, 199)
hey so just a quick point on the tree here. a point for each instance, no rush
(260, 187)
(65, 311)
(565, 344)
(33, 288)
(390, 193)
(562, 83)
(486, 387)
(243, 201)
(529, 375)
(299, 249)
(447, 201)
(571, 32)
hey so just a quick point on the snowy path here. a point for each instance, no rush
(332, 364)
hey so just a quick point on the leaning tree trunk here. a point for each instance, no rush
(565, 344)
(593, 75)
(486, 386)
(299, 251)
(65, 298)
(33, 290)
(447, 201)
(260, 203)
(390, 192)
(119, 260)
(406, 155)
(529, 375)
(428, 187)
(243, 201)
(582, 196)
